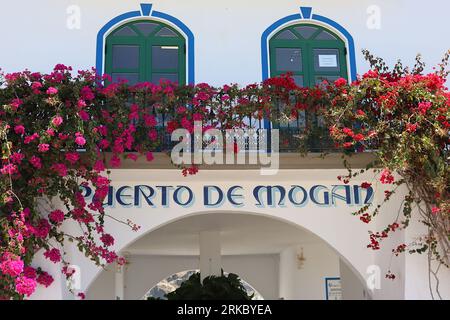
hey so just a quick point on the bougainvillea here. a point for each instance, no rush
(403, 116)
(59, 131)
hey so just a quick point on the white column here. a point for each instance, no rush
(210, 254)
(119, 282)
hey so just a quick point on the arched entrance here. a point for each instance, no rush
(278, 259)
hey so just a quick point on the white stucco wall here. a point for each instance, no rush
(307, 283)
(227, 34)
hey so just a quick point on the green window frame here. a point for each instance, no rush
(144, 38)
(318, 39)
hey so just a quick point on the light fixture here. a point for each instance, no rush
(300, 259)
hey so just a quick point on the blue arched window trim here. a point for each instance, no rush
(305, 15)
(146, 11)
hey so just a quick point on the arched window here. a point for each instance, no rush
(146, 50)
(310, 52)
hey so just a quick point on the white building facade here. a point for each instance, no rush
(290, 235)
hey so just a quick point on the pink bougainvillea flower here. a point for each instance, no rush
(9, 169)
(99, 166)
(107, 239)
(83, 115)
(36, 162)
(16, 103)
(72, 157)
(153, 135)
(115, 161)
(52, 91)
(11, 265)
(435, 210)
(149, 156)
(57, 121)
(79, 139)
(87, 94)
(43, 147)
(19, 129)
(132, 156)
(25, 286)
(60, 168)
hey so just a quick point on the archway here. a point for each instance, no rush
(173, 281)
(262, 250)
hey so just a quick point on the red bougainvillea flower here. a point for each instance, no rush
(44, 279)
(340, 82)
(423, 107)
(386, 177)
(366, 185)
(53, 255)
(56, 216)
(358, 137)
(435, 210)
(107, 239)
(411, 127)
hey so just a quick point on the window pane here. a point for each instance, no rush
(146, 27)
(286, 34)
(288, 59)
(157, 77)
(326, 60)
(298, 80)
(126, 57)
(125, 32)
(132, 78)
(166, 32)
(325, 36)
(165, 57)
(306, 31)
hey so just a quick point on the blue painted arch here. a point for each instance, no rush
(146, 11)
(306, 15)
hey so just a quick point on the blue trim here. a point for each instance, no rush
(102, 32)
(326, 285)
(146, 10)
(305, 15)
(306, 12)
